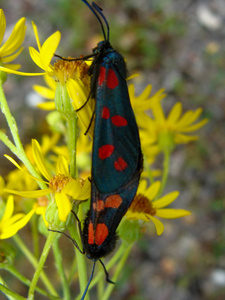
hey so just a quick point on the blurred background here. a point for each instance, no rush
(175, 45)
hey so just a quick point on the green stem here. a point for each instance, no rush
(72, 143)
(120, 266)
(34, 263)
(80, 258)
(26, 281)
(35, 235)
(51, 237)
(4, 138)
(60, 269)
(15, 134)
(12, 295)
(4, 288)
(166, 166)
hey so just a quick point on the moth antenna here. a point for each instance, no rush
(100, 21)
(99, 10)
(92, 273)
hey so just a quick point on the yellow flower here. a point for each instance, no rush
(71, 76)
(12, 47)
(145, 208)
(165, 133)
(9, 224)
(61, 185)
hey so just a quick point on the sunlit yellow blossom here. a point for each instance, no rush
(12, 47)
(61, 185)
(164, 132)
(10, 224)
(145, 208)
(144, 101)
(72, 75)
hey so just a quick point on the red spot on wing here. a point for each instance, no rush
(105, 151)
(113, 201)
(101, 233)
(119, 121)
(90, 234)
(99, 206)
(120, 164)
(101, 76)
(105, 113)
(112, 80)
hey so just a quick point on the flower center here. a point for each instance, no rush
(141, 204)
(58, 182)
(77, 69)
(42, 201)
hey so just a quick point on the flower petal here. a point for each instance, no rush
(2, 25)
(44, 91)
(64, 205)
(12, 71)
(39, 159)
(170, 213)
(158, 225)
(29, 194)
(166, 200)
(12, 57)
(153, 190)
(8, 209)
(62, 166)
(13, 229)
(16, 38)
(36, 35)
(47, 105)
(77, 191)
(49, 48)
(174, 113)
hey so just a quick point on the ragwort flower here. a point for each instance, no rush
(10, 224)
(61, 185)
(145, 208)
(12, 47)
(71, 76)
(164, 132)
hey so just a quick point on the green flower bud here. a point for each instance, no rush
(130, 230)
(3, 75)
(52, 217)
(166, 141)
(63, 102)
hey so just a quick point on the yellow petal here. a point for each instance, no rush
(44, 91)
(158, 225)
(13, 229)
(175, 113)
(195, 126)
(142, 187)
(29, 194)
(64, 205)
(166, 200)
(11, 71)
(39, 159)
(13, 219)
(36, 57)
(170, 213)
(13, 66)
(78, 192)
(49, 48)
(184, 139)
(2, 26)
(16, 38)
(21, 169)
(153, 190)
(62, 166)
(12, 57)
(8, 209)
(47, 105)
(36, 35)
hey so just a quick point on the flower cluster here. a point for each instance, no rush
(53, 178)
